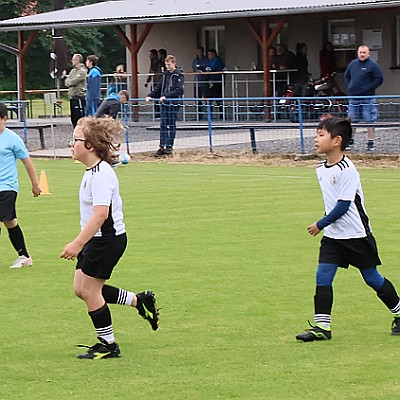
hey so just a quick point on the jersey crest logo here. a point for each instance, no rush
(334, 180)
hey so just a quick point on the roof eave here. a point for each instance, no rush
(189, 17)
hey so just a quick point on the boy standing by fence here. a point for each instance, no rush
(168, 91)
(13, 148)
(348, 238)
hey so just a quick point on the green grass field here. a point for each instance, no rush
(226, 250)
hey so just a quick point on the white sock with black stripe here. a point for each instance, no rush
(125, 297)
(323, 321)
(106, 333)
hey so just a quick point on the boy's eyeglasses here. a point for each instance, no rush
(73, 140)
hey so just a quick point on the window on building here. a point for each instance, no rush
(342, 34)
(213, 37)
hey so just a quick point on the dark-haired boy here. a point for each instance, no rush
(347, 239)
(93, 85)
(13, 148)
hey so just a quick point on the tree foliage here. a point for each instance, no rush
(102, 41)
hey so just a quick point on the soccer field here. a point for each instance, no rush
(226, 250)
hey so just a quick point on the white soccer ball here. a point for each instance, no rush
(124, 158)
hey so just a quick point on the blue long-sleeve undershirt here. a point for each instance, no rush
(338, 211)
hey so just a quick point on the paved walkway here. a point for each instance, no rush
(200, 141)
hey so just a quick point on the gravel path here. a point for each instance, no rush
(272, 141)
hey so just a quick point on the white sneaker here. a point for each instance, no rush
(22, 261)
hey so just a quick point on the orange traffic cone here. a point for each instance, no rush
(43, 183)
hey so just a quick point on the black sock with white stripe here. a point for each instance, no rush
(387, 293)
(101, 319)
(323, 301)
(113, 295)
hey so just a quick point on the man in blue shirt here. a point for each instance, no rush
(93, 86)
(363, 76)
(13, 148)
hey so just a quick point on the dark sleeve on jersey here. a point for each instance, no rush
(340, 209)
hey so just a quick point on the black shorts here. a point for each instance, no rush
(100, 255)
(8, 199)
(362, 253)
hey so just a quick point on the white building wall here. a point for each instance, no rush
(182, 38)
(391, 77)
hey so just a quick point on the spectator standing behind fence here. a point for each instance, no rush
(111, 105)
(302, 76)
(215, 64)
(283, 59)
(93, 86)
(154, 77)
(363, 76)
(154, 70)
(170, 87)
(327, 60)
(199, 65)
(121, 82)
(162, 55)
(76, 83)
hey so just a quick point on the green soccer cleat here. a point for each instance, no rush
(315, 333)
(396, 327)
(147, 308)
(100, 350)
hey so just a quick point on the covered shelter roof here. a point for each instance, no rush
(121, 12)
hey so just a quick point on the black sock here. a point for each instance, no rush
(113, 295)
(110, 294)
(101, 319)
(387, 293)
(17, 240)
(323, 301)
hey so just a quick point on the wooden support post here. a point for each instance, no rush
(21, 66)
(133, 44)
(265, 58)
(265, 41)
(23, 47)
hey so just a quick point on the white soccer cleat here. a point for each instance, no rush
(22, 261)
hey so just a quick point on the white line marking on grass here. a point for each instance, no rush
(224, 174)
(256, 175)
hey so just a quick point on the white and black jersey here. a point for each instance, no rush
(341, 181)
(100, 187)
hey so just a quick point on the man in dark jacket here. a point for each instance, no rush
(168, 91)
(363, 76)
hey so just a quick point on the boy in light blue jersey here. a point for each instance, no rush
(13, 148)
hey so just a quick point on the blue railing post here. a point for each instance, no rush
(23, 107)
(124, 107)
(208, 102)
(301, 125)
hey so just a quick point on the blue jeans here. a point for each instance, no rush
(168, 115)
(363, 110)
